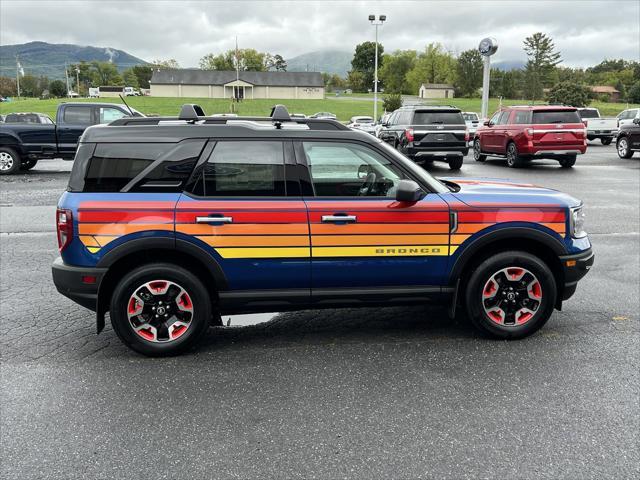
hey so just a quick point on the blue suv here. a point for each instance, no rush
(167, 223)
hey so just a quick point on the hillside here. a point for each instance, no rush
(41, 58)
(327, 61)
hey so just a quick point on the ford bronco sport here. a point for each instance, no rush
(167, 223)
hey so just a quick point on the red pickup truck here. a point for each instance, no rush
(524, 133)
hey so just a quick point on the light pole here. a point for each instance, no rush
(381, 19)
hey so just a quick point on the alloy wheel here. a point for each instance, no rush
(511, 297)
(6, 161)
(476, 150)
(160, 311)
(622, 147)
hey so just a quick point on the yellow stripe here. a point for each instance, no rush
(382, 251)
(264, 252)
(93, 249)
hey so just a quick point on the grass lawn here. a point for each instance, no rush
(343, 107)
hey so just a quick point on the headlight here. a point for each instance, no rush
(577, 222)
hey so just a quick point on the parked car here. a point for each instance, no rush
(30, 117)
(472, 120)
(626, 116)
(628, 140)
(298, 115)
(384, 119)
(364, 123)
(521, 134)
(324, 115)
(167, 243)
(427, 133)
(23, 143)
(130, 92)
(598, 127)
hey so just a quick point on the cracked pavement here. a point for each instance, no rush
(397, 392)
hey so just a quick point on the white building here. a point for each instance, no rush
(435, 90)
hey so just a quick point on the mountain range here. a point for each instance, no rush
(41, 58)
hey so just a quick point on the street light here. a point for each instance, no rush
(376, 23)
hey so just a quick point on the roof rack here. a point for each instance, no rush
(194, 114)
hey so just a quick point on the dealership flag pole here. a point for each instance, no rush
(488, 46)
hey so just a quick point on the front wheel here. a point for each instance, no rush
(623, 148)
(568, 161)
(477, 151)
(160, 309)
(9, 161)
(606, 140)
(511, 295)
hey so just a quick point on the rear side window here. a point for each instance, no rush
(243, 169)
(521, 117)
(557, 116)
(421, 117)
(77, 115)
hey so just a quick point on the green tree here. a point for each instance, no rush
(30, 86)
(356, 81)
(333, 82)
(434, 65)
(143, 75)
(249, 59)
(57, 88)
(392, 102)
(168, 63)
(8, 87)
(541, 63)
(217, 62)
(277, 63)
(395, 67)
(364, 62)
(634, 93)
(469, 72)
(567, 93)
(105, 73)
(130, 79)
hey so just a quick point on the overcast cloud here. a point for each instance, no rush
(585, 32)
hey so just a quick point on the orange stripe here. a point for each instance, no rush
(556, 227)
(114, 229)
(353, 240)
(379, 228)
(89, 241)
(476, 227)
(458, 239)
(257, 241)
(244, 229)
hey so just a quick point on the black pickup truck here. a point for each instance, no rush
(23, 144)
(427, 133)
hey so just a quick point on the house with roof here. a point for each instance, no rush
(606, 91)
(435, 90)
(192, 82)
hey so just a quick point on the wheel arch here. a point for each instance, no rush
(148, 250)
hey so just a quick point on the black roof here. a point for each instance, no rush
(195, 76)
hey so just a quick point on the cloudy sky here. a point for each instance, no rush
(584, 31)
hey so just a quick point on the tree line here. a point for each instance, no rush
(543, 76)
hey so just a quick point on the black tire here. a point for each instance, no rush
(199, 299)
(28, 164)
(568, 161)
(606, 140)
(475, 300)
(9, 161)
(477, 151)
(455, 163)
(622, 146)
(513, 158)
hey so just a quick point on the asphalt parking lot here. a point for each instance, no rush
(395, 392)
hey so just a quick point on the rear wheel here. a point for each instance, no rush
(28, 165)
(511, 295)
(622, 145)
(513, 159)
(477, 151)
(160, 309)
(606, 140)
(455, 163)
(9, 161)
(568, 162)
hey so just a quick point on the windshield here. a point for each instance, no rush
(362, 120)
(557, 116)
(437, 118)
(589, 113)
(470, 117)
(421, 173)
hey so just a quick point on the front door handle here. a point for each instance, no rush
(339, 218)
(214, 219)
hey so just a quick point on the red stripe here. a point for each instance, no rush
(126, 205)
(363, 205)
(93, 216)
(227, 205)
(386, 217)
(510, 216)
(245, 217)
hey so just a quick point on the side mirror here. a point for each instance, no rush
(487, 123)
(408, 191)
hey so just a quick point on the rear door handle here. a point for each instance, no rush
(214, 219)
(339, 218)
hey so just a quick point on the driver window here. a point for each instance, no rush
(494, 119)
(350, 170)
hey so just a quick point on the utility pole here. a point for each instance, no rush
(66, 76)
(18, 68)
(381, 19)
(78, 80)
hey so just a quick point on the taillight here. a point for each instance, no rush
(64, 226)
(466, 135)
(408, 133)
